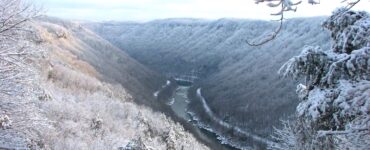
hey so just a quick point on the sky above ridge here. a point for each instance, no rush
(145, 10)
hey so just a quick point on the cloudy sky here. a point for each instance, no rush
(145, 10)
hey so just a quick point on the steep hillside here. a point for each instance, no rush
(79, 93)
(113, 64)
(239, 82)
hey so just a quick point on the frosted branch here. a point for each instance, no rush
(288, 5)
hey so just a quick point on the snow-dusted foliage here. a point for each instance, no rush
(311, 59)
(5, 121)
(334, 112)
(14, 50)
(349, 30)
(18, 90)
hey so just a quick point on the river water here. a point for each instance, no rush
(179, 103)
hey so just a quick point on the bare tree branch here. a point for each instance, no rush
(277, 30)
(14, 48)
(287, 5)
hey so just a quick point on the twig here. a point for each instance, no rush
(287, 5)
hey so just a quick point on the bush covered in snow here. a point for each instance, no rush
(5, 121)
(334, 112)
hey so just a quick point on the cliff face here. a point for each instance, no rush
(81, 94)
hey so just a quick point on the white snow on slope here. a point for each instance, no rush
(168, 82)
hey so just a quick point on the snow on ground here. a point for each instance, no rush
(168, 83)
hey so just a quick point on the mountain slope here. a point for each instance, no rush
(112, 63)
(239, 82)
(80, 96)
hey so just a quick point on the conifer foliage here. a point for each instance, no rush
(334, 112)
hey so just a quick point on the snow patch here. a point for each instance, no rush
(168, 83)
(155, 94)
(171, 102)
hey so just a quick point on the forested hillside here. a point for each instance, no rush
(184, 83)
(74, 90)
(239, 82)
(113, 64)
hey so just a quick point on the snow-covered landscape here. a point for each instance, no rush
(76, 76)
(236, 78)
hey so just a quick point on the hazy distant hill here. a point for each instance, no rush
(240, 82)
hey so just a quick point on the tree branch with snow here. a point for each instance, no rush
(286, 6)
(14, 48)
(334, 110)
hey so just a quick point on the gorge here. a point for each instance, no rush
(239, 82)
(182, 83)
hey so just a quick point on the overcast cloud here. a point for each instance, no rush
(145, 10)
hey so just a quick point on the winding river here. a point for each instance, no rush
(179, 103)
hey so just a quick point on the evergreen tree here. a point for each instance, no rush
(334, 112)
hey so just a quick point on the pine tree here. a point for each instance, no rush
(334, 112)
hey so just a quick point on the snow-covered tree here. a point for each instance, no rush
(13, 51)
(334, 112)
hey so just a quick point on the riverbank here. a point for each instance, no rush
(204, 117)
(202, 123)
(163, 95)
